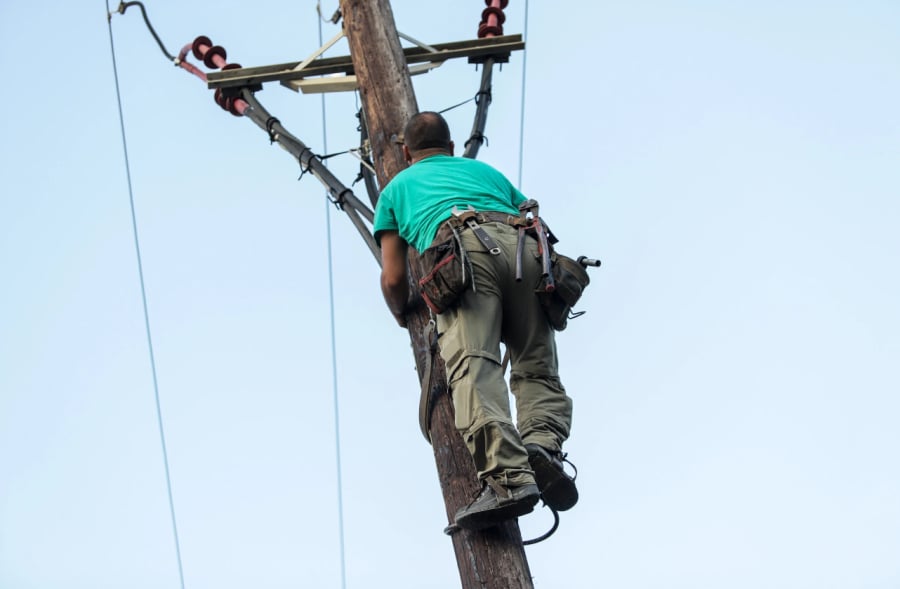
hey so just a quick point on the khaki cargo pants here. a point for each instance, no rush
(501, 309)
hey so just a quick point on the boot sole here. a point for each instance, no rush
(493, 517)
(557, 488)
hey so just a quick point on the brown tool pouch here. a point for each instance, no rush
(570, 279)
(445, 273)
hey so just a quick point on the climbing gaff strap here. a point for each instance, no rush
(453, 528)
(546, 534)
(426, 398)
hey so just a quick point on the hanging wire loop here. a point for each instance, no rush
(123, 6)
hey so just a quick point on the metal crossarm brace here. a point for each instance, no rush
(340, 194)
(483, 101)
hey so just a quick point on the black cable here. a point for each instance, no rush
(458, 105)
(123, 6)
(331, 155)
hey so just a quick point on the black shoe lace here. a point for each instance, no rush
(563, 457)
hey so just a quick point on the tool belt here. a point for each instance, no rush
(446, 271)
(569, 279)
(563, 279)
(445, 268)
(446, 229)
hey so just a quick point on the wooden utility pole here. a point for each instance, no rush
(487, 559)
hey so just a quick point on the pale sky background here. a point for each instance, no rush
(734, 164)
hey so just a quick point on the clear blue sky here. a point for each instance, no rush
(734, 164)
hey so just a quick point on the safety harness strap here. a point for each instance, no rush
(426, 398)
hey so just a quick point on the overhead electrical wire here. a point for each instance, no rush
(334, 370)
(522, 105)
(123, 6)
(140, 266)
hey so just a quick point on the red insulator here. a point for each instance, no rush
(231, 105)
(215, 57)
(231, 66)
(220, 99)
(486, 30)
(492, 18)
(201, 44)
(493, 11)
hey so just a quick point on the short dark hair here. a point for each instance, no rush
(426, 130)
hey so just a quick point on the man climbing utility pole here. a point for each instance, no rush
(494, 557)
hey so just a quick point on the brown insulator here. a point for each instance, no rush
(486, 30)
(215, 57)
(492, 18)
(493, 11)
(200, 46)
(233, 106)
(220, 99)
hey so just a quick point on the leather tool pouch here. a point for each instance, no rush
(445, 273)
(571, 279)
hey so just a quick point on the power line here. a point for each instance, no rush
(137, 249)
(334, 372)
(522, 106)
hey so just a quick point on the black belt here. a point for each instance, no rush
(446, 229)
(498, 217)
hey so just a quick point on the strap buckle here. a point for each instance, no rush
(467, 217)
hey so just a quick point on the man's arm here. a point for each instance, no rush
(394, 282)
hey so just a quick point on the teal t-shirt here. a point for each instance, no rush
(422, 196)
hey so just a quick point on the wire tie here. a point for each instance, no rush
(270, 128)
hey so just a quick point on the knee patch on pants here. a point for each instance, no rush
(479, 392)
(460, 359)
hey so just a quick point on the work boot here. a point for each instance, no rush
(557, 487)
(496, 504)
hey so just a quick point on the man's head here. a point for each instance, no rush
(426, 133)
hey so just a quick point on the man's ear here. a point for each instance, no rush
(452, 147)
(406, 154)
